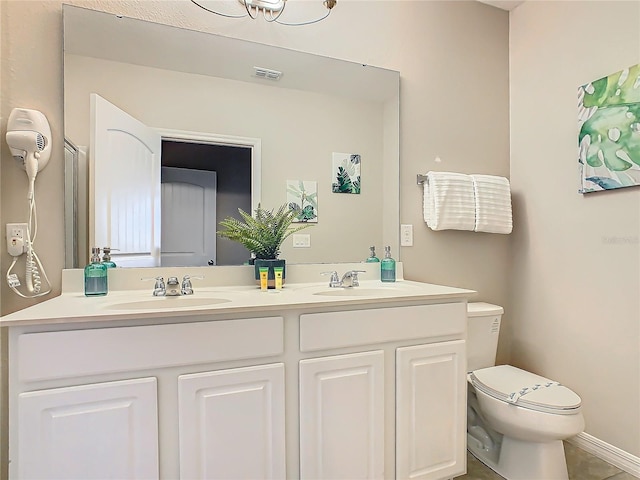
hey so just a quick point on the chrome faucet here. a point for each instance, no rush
(173, 285)
(349, 279)
(187, 288)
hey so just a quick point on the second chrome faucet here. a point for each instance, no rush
(173, 287)
(349, 279)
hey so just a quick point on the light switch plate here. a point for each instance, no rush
(406, 235)
(301, 240)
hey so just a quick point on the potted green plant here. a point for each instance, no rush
(262, 234)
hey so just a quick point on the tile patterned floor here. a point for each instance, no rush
(581, 466)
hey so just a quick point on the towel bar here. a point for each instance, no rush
(421, 179)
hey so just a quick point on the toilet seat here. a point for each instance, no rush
(525, 389)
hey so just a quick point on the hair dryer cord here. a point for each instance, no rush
(32, 274)
(33, 265)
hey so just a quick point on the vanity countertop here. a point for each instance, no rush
(213, 298)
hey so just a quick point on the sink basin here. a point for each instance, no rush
(154, 303)
(357, 292)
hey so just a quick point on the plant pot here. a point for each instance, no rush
(271, 282)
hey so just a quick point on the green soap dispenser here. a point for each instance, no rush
(106, 258)
(387, 267)
(95, 276)
(372, 256)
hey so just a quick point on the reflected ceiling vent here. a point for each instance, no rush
(267, 73)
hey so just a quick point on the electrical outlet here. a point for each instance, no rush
(16, 238)
(406, 235)
(18, 230)
(301, 240)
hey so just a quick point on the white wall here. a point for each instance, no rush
(575, 278)
(453, 107)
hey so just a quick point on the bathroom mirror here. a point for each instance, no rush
(204, 90)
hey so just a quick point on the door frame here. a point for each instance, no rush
(255, 144)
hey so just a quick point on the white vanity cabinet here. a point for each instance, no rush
(394, 412)
(283, 389)
(148, 401)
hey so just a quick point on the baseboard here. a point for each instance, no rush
(610, 454)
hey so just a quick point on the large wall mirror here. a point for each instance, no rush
(219, 117)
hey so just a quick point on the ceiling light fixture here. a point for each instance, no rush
(271, 10)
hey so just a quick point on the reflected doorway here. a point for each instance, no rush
(232, 165)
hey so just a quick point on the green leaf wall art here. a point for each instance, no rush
(609, 131)
(302, 196)
(346, 173)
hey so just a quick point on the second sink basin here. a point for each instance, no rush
(167, 303)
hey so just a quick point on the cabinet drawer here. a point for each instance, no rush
(74, 353)
(322, 331)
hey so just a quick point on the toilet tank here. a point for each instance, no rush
(483, 328)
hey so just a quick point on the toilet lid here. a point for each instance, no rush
(524, 389)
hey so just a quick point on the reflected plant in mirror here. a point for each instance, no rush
(263, 233)
(262, 125)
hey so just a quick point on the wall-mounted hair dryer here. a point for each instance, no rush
(29, 139)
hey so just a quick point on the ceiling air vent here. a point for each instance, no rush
(267, 73)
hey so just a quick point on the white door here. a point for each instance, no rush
(431, 411)
(103, 430)
(342, 417)
(188, 217)
(124, 186)
(232, 424)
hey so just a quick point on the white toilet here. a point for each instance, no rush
(516, 420)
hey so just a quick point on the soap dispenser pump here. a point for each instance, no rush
(95, 276)
(387, 267)
(372, 256)
(106, 257)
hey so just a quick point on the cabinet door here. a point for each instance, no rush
(104, 430)
(342, 417)
(430, 411)
(232, 424)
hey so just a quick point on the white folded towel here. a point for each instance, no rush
(449, 201)
(493, 204)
